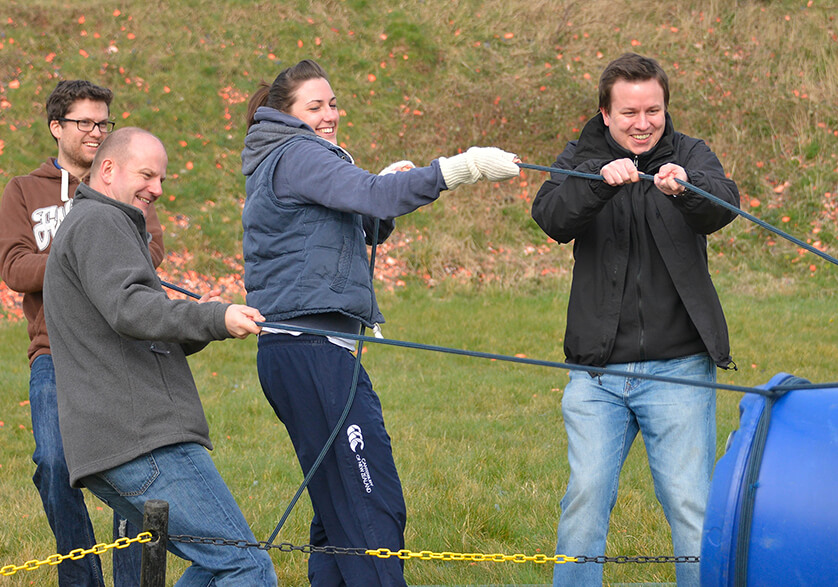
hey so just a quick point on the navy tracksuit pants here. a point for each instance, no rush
(355, 493)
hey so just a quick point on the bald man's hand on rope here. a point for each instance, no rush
(241, 320)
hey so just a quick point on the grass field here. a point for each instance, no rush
(479, 444)
(415, 80)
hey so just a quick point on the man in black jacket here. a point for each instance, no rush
(642, 302)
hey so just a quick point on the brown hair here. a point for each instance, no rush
(68, 92)
(281, 94)
(631, 67)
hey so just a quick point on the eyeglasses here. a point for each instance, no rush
(87, 125)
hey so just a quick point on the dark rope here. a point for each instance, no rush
(349, 400)
(703, 193)
(772, 391)
(325, 448)
(769, 392)
(179, 289)
(750, 479)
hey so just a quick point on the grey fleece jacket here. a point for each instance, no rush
(118, 342)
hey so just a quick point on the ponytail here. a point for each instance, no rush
(259, 98)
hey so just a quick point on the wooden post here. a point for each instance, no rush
(156, 521)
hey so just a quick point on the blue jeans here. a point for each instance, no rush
(63, 505)
(200, 504)
(602, 415)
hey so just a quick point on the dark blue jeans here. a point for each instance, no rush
(356, 493)
(63, 505)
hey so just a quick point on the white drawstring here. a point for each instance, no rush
(65, 185)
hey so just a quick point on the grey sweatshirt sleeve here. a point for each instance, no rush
(114, 269)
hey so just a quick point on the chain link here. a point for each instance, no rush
(265, 545)
(637, 559)
(76, 554)
(430, 555)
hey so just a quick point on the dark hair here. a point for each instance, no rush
(631, 67)
(68, 92)
(281, 94)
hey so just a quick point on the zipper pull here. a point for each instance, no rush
(376, 331)
(160, 351)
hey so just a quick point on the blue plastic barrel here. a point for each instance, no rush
(772, 515)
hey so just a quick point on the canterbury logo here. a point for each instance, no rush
(356, 439)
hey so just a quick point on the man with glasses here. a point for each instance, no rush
(32, 208)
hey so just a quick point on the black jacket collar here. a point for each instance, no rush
(595, 142)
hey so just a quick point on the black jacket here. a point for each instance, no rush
(597, 218)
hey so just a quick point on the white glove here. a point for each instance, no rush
(397, 166)
(458, 170)
(478, 163)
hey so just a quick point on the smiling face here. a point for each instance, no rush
(76, 149)
(134, 176)
(636, 117)
(316, 105)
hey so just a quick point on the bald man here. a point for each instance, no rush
(31, 210)
(131, 419)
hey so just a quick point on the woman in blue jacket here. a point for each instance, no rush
(307, 219)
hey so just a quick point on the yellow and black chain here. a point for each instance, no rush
(403, 554)
(430, 555)
(76, 554)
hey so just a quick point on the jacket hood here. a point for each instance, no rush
(48, 170)
(272, 129)
(596, 142)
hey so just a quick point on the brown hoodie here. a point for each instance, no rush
(31, 210)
